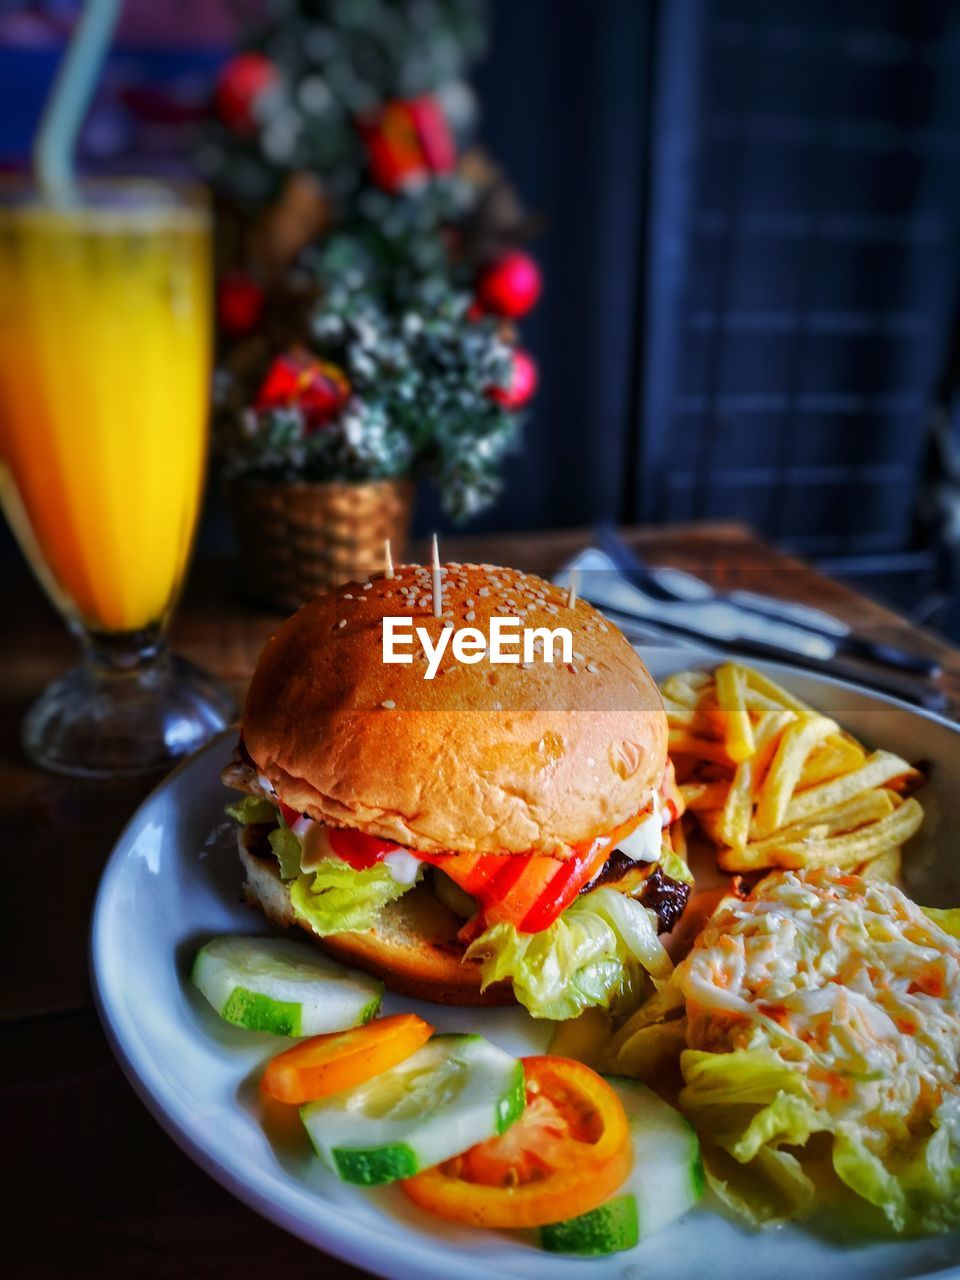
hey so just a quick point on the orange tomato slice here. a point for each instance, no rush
(567, 1152)
(322, 1065)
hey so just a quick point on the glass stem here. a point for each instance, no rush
(124, 652)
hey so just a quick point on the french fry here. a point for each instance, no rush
(855, 847)
(682, 743)
(884, 867)
(759, 703)
(738, 729)
(709, 721)
(761, 684)
(772, 783)
(833, 757)
(680, 715)
(879, 768)
(711, 820)
(796, 743)
(870, 806)
(685, 687)
(738, 807)
(704, 795)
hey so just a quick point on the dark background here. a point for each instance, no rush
(751, 253)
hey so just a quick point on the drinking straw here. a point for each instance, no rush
(53, 152)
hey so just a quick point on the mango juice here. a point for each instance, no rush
(104, 391)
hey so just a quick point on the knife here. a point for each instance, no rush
(717, 625)
(676, 586)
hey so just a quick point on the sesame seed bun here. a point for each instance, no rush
(485, 758)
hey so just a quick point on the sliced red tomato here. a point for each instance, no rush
(471, 871)
(359, 850)
(327, 1064)
(528, 892)
(565, 1154)
(290, 816)
(564, 886)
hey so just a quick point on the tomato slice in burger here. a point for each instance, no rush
(528, 892)
(567, 1152)
(290, 816)
(359, 850)
(322, 1065)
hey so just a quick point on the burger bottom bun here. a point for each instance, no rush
(413, 949)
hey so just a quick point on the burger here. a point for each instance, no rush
(497, 832)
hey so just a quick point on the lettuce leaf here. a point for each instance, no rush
(334, 898)
(948, 919)
(286, 848)
(748, 1106)
(599, 952)
(672, 865)
(251, 809)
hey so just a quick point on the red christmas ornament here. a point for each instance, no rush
(510, 286)
(239, 304)
(241, 83)
(297, 380)
(407, 141)
(522, 385)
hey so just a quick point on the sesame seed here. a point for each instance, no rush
(342, 622)
(388, 704)
(604, 627)
(448, 625)
(348, 596)
(498, 706)
(367, 586)
(578, 656)
(484, 591)
(469, 602)
(470, 615)
(593, 668)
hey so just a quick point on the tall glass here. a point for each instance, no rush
(105, 355)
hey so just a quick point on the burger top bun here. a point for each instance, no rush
(484, 758)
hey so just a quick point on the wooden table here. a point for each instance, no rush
(95, 1186)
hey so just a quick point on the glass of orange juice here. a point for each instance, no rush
(105, 358)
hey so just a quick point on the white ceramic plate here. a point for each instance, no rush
(173, 881)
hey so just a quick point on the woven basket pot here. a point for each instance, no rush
(297, 540)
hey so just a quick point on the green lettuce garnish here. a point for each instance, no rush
(947, 919)
(251, 809)
(748, 1106)
(601, 951)
(335, 898)
(674, 866)
(286, 849)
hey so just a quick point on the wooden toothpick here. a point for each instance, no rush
(388, 556)
(572, 588)
(437, 580)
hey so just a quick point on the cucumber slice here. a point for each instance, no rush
(454, 1092)
(610, 1228)
(272, 984)
(667, 1180)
